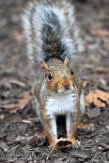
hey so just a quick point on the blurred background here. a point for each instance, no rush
(18, 122)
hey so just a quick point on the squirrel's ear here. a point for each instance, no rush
(66, 61)
(44, 65)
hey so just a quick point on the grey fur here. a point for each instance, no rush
(51, 30)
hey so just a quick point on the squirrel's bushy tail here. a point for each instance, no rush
(51, 30)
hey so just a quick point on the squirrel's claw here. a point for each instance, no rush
(42, 135)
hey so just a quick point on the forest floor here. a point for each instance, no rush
(18, 121)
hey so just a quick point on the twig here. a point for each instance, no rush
(49, 155)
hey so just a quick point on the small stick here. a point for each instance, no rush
(49, 154)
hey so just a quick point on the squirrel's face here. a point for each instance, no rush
(59, 81)
(58, 78)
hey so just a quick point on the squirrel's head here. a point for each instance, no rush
(58, 76)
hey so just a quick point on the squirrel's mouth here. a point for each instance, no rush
(64, 91)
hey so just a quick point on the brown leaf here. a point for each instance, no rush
(100, 32)
(97, 97)
(102, 69)
(21, 104)
(24, 101)
(17, 82)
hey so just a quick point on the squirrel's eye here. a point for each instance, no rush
(72, 72)
(50, 76)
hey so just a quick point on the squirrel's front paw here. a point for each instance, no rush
(63, 143)
(42, 134)
(74, 143)
(72, 140)
(53, 144)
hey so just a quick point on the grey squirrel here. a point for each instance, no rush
(53, 40)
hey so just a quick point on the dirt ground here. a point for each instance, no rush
(18, 121)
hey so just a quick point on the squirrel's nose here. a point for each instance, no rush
(66, 86)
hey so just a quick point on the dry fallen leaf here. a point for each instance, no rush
(17, 82)
(97, 97)
(102, 69)
(21, 104)
(100, 32)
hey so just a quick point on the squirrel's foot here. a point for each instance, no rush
(53, 144)
(82, 125)
(72, 140)
(52, 141)
(42, 135)
(89, 127)
(63, 143)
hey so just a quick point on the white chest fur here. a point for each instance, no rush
(56, 105)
